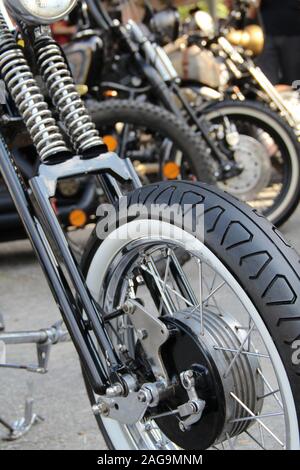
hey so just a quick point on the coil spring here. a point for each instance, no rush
(65, 97)
(26, 94)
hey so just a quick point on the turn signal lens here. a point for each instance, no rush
(171, 170)
(78, 218)
(110, 93)
(111, 142)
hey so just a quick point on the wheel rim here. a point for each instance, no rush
(278, 406)
(274, 200)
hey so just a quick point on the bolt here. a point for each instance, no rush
(101, 409)
(114, 391)
(142, 334)
(140, 279)
(183, 427)
(96, 410)
(128, 308)
(122, 348)
(142, 396)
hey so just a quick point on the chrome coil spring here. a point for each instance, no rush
(27, 96)
(62, 89)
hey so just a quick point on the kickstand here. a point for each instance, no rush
(23, 425)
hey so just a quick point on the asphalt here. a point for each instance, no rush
(60, 397)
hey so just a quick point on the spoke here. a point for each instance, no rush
(181, 279)
(215, 304)
(229, 440)
(270, 388)
(176, 298)
(266, 395)
(245, 328)
(246, 353)
(249, 338)
(239, 351)
(250, 418)
(213, 282)
(161, 287)
(214, 292)
(165, 281)
(258, 419)
(255, 440)
(261, 431)
(201, 298)
(159, 280)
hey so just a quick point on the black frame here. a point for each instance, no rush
(51, 247)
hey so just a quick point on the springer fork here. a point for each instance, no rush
(83, 154)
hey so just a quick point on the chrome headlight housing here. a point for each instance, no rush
(39, 12)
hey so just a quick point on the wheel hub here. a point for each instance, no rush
(218, 376)
(253, 157)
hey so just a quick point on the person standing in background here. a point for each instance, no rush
(280, 59)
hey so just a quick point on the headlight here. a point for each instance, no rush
(37, 12)
(205, 23)
(165, 24)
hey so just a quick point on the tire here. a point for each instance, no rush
(108, 113)
(261, 263)
(288, 198)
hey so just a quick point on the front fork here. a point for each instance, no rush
(82, 316)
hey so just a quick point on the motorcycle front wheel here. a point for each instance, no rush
(233, 308)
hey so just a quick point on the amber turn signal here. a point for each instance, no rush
(110, 93)
(171, 170)
(78, 218)
(111, 142)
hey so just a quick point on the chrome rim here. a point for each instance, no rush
(212, 293)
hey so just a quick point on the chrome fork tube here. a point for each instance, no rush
(272, 93)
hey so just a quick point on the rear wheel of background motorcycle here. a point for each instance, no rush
(240, 264)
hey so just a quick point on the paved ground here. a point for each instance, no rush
(60, 396)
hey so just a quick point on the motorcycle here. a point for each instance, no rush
(242, 80)
(236, 50)
(158, 137)
(254, 153)
(192, 356)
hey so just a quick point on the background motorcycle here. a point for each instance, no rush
(235, 49)
(255, 154)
